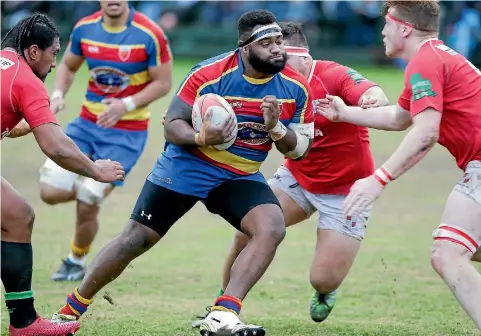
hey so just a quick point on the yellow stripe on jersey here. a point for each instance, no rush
(205, 66)
(139, 114)
(152, 35)
(87, 22)
(304, 109)
(232, 160)
(257, 100)
(213, 81)
(112, 46)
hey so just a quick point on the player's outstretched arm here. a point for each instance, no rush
(63, 151)
(388, 118)
(418, 142)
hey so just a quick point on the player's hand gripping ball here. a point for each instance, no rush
(215, 120)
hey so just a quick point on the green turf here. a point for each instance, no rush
(391, 289)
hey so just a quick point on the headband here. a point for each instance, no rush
(407, 24)
(271, 30)
(297, 51)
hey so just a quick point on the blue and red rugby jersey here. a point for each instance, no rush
(118, 59)
(223, 75)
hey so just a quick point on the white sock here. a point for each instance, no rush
(77, 260)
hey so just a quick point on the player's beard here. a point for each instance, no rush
(269, 67)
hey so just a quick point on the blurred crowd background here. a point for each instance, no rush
(346, 31)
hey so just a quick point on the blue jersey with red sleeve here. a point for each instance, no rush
(224, 75)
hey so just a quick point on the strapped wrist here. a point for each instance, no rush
(383, 176)
(278, 132)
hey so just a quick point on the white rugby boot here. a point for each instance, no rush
(222, 323)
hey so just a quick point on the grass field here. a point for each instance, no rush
(391, 289)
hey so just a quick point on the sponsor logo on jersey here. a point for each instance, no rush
(355, 76)
(109, 79)
(421, 87)
(252, 133)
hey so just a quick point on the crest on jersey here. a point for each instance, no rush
(109, 79)
(252, 133)
(124, 53)
(355, 76)
(421, 87)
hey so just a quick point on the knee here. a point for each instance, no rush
(273, 230)
(325, 283)
(20, 225)
(445, 254)
(53, 196)
(137, 238)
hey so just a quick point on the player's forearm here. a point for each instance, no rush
(153, 91)
(287, 143)
(179, 132)
(20, 130)
(378, 94)
(417, 143)
(382, 118)
(64, 152)
(63, 79)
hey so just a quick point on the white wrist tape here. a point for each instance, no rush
(57, 94)
(129, 103)
(383, 176)
(278, 132)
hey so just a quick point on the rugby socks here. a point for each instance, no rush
(228, 303)
(78, 255)
(17, 260)
(76, 305)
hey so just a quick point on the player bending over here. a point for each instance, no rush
(441, 99)
(27, 56)
(339, 156)
(272, 103)
(130, 65)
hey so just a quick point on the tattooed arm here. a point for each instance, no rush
(418, 142)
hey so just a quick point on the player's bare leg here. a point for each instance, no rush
(293, 214)
(333, 258)
(265, 226)
(17, 218)
(86, 226)
(109, 263)
(459, 232)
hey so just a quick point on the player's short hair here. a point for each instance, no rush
(423, 15)
(36, 29)
(293, 34)
(252, 18)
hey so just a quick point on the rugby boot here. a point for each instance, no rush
(222, 323)
(44, 327)
(322, 305)
(69, 271)
(200, 318)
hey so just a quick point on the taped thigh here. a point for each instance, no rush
(55, 176)
(457, 236)
(92, 192)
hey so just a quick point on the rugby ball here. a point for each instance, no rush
(221, 110)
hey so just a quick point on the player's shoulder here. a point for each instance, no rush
(216, 66)
(292, 77)
(88, 20)
(144, 23)
(27, 81)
